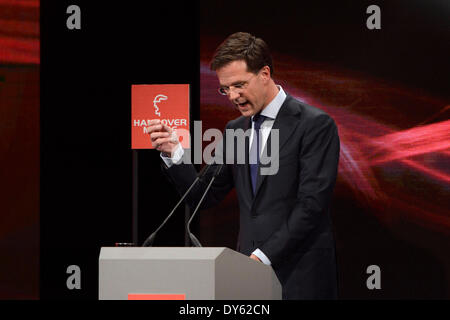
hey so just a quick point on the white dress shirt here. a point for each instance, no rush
(270, 112)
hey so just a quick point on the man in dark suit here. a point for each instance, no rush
(284, 217)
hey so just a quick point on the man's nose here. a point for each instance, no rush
(233, 95)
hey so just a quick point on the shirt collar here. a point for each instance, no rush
(272, 109)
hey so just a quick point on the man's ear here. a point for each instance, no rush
(265, 72)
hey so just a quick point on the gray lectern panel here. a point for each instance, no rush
(197, 273)
(240, 278)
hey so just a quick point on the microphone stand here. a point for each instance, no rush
(149, 241)
(194, 239)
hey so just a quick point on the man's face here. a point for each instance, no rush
(246, 90)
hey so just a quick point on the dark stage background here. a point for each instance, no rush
(387, 89)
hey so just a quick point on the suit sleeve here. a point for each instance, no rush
(319, 157)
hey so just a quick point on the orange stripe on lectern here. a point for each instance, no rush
(139, 296)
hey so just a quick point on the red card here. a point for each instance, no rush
(166, 102)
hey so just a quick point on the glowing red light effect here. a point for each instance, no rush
(406, 170)
(19, 31)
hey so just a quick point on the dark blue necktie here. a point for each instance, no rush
(258, 119)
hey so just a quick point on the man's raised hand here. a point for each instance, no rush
(163, 138)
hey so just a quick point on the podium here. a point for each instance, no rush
(165, 273)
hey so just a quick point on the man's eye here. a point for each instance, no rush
(239, 85)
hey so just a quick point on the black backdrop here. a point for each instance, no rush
(86, 161)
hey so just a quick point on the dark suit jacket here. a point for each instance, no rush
(288, 219)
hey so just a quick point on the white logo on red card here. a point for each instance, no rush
(158, 99)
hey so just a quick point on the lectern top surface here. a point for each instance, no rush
(146, 253)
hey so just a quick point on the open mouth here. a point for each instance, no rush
(243, 104)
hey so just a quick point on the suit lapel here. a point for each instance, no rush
(286, 122)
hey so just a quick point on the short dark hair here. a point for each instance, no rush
(243, 46)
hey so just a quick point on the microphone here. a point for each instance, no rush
(194, 239)
(149, 241)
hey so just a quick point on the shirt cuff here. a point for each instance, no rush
(176, 157)
(262, 257)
